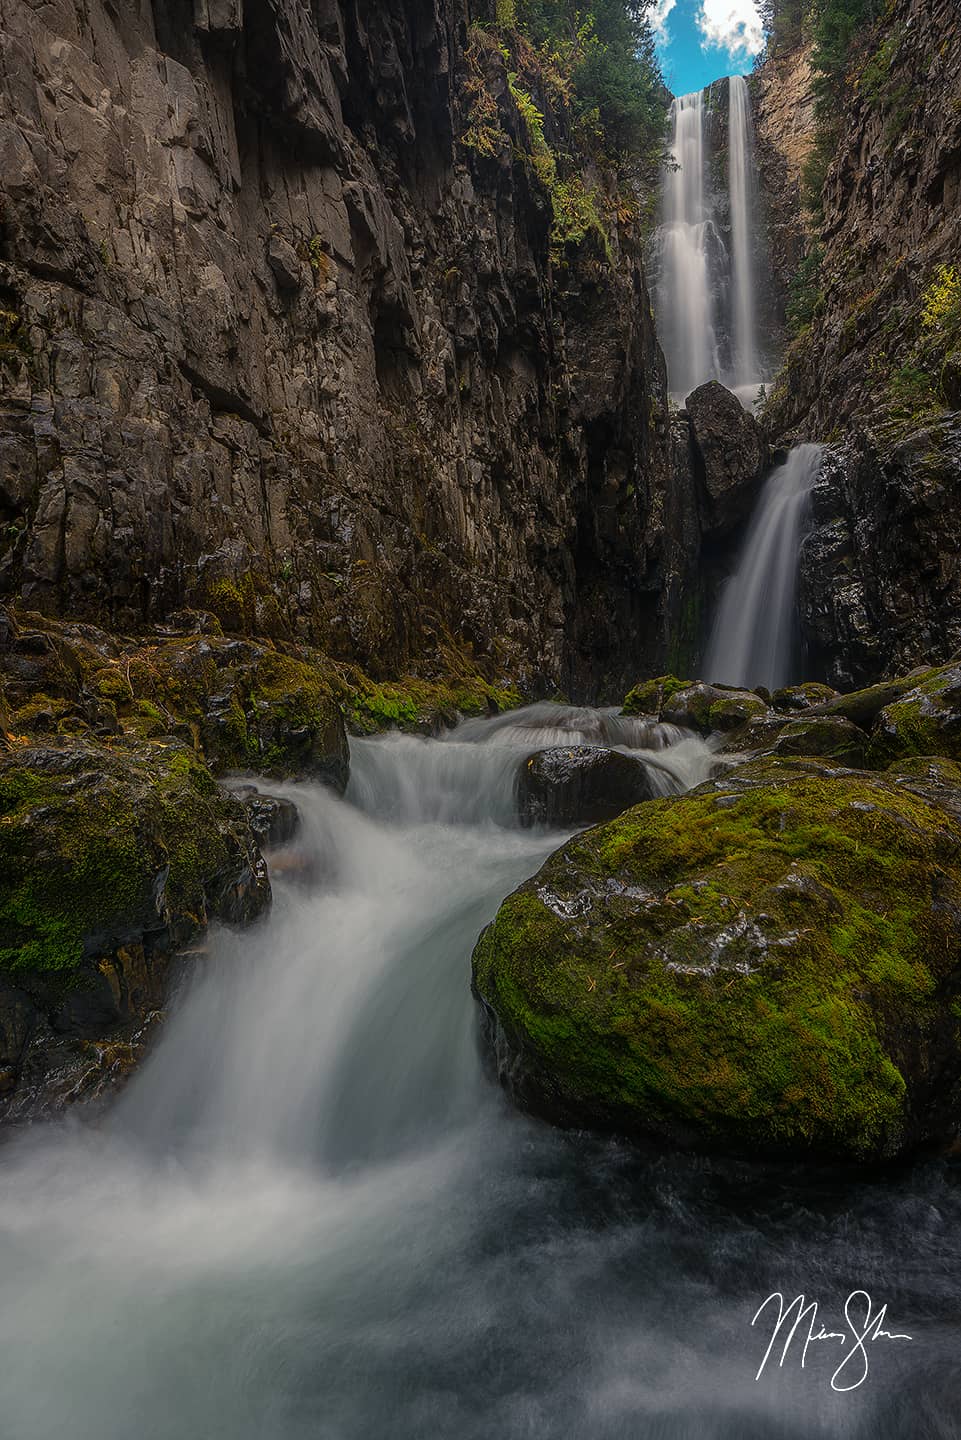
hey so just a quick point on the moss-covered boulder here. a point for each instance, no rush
(708, 708)
(862, 707)
(823, 735)
(769, 964)
(734, 710)
(649, 696)
(923, 720)
(110, 860)
(802, 697)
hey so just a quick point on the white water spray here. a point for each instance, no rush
(686, 240)
(755, 637)
(741, 190)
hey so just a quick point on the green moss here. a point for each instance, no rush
(111, 683)
(763, 980)
(925, 719)
(234, 602)
(414, 704)
(734, 710)
(649, 696)
(84, 847)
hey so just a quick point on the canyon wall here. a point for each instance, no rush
(277, 344)
(875, 370)
(783, 105)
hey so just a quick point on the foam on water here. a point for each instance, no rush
(313, 1217)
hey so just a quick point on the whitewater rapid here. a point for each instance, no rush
(312, 1214)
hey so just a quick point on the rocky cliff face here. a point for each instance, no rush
(783, 104)
(892, 216)
(874, 372)
(276, 343)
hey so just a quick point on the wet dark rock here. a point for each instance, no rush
(879, 585)
(274, 820)
(731, 455)
(802, 697)
(579, 785)
(756, 966)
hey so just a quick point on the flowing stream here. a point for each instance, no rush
(756, 638)
(312, 1216)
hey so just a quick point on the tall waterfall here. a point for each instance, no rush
(704, 252)
(741, 190)
(755, 639)
(686, 240)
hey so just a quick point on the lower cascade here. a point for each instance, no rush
(755, 637)
(313, 1213)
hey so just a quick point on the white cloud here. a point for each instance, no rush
(658, 18)
(732, 25)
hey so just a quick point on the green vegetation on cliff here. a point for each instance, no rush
(591, 104)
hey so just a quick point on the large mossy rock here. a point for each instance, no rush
(708, 708)
(648, 696)
(830, 735)
(769, 964)
(924, 720)
(111, 859)
(579, 785)
(793, 698)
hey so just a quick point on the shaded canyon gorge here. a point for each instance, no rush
(480, 719)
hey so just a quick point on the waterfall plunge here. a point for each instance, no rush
(706, 295)
(742, 197)
(686, 241)
(755, 637)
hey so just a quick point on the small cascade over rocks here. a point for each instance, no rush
(756, 638)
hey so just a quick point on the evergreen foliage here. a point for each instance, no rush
(586, 85)
(607, 52)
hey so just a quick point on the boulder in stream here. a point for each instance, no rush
(731, 455)
(769, 964)
(273, 818)
(580, 785)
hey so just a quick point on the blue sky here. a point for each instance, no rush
(700, 40)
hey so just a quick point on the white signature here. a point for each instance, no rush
(864, 1326)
